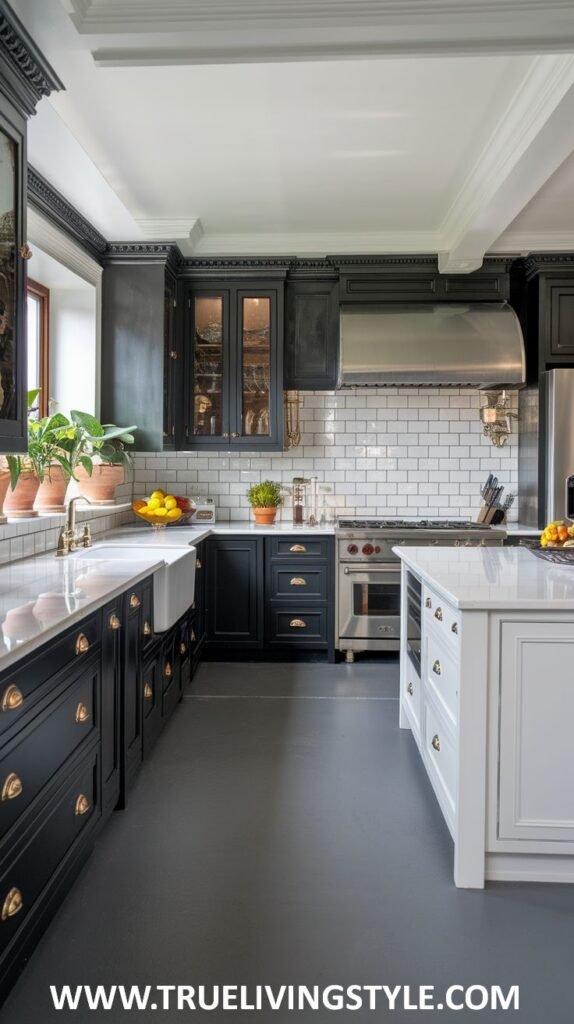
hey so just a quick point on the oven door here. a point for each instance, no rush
(370, 605)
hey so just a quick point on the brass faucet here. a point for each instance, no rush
(69, 538)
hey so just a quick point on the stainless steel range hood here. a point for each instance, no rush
(476, 345)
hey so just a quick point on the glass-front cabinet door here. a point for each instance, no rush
(235, 368)
(12, 289)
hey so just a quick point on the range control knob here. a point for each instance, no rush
(368, 549)
(352, 549)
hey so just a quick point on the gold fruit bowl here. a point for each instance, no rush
(159, 522)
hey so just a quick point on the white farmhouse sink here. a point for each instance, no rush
(173, 582)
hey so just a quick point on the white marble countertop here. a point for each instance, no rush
(519, 529)
(183, 535)
(493, 578)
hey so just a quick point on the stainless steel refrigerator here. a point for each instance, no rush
(546, 449)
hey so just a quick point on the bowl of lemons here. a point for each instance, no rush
(161, 509)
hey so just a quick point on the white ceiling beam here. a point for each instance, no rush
(532, 138)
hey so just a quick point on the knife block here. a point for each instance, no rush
(491, 515)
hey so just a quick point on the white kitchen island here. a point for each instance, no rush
(492, 706)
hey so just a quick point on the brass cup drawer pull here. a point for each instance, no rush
(82, 643)
(454, 627)
(436, 668)
(82, 713)
(435, 742)
(114, 622)
(298, 549)
(168, 672)
(12, 787)
(298, 581)
(182, 648)
(438, 614)
(410, 690)
(148, 692)
(12, 904)
(193, 636)
(147, 628)
(198, 564)
(428, 603)
(82, 805)
(297, 624)
(134, 601)
(12, 698)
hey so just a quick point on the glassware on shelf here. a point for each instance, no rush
(208, 365)
(256, 365)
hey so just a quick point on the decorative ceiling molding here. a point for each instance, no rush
(53, 241)
(165, 253)
(316, 243)
(532, 138)
(26, 74)
(189, 228)
(53, 205)
(545, 262)
(534, 241)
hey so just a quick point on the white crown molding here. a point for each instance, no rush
(526, 147)
(53, 242)
(174, 228)
(315, 244)
(524, 242)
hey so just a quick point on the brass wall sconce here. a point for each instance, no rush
(497, 417)
(293, 403)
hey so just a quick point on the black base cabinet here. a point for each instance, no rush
(269, 594)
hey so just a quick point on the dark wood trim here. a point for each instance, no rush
(25, 73)
(165, 253)
(53, 205)
(43, 293)
(544, 262)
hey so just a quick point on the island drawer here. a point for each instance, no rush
(152, 695)
(43, 846)
(442, 675)
(442, 617)
(29, 761)
(296, 625)
(441, 757)
(291, 582)
(304, 547)
(412, 696)
(24, 687)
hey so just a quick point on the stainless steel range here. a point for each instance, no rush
(369, 575)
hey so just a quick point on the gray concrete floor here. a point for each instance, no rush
(283, 831)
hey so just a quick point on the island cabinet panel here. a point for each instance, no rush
(137, 601)
(536, 764)
(234, 591)
(312, 335)
(152, 692)
(112, 624)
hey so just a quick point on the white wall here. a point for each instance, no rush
(73, 354)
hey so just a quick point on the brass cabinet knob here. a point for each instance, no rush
(428, 603)
(297, 548)
(134, 601)
(148, 692)
(436, 668)
(193, 636)
(298, 581)
(82, 643)
(182, 649)
(198, 565)
(12, 787)
(435, 742)
(297, 624)
(438, 614)
(82, 805)
(82, 713)
(12, 698)
(12, 904)
(410, 690)
(234, 434)
(147, 628)
(225, 434)
(168, 670)
(26, 252)
(173, 354)
(114, 622)
(454, 627)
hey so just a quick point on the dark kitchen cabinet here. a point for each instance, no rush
(233, 341)
(417, 279)
(140, 350)
(543, 296)
(234, 591)
(558, 311)
(112, 616)
(312, 334)
(152, 693)
(131, 709)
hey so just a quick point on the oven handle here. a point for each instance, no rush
(371, 568)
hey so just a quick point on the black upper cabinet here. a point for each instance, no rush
(140, 356)
(312, 335)
(24, 78)
(543, 295)
(233, 342)
(417, 279)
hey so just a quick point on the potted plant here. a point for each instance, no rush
(45, 465)
(265, 499)
(99, 457)
(4, 485)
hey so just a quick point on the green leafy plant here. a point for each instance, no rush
(93, 441)
(265, 495)
(44, 448)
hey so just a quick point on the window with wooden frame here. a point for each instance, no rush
(38, 307)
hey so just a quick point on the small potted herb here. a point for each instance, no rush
(265, 499)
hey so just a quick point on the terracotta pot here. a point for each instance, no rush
(265, 516)
(51, 495)
(4, 485)
(100, 487)
(19, 504)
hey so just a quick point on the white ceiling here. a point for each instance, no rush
(164, 128)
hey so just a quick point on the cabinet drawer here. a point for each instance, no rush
(39, 851)
(441, 758)
(442, 675)
(412, 692)
(300, 547)
(296, 625)
(151, 702)
(442, 617)
(25, 687)
(297, 582)
(39, 750)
